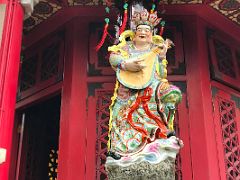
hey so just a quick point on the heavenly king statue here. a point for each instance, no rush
(142, 142)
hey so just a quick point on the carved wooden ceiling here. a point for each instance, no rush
(46, 8)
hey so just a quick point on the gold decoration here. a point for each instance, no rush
(53, 164)
(231, 14)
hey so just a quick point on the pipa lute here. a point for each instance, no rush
(143, 78)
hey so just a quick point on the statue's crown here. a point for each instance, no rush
(146, 18)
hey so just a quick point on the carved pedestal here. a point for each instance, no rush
(156, 161)
(165, 170)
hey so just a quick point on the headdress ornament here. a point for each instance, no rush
(137, 15)
(144, 17)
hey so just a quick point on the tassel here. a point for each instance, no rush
(105, 33)
(124, 24)
(162, 28)
(161, 31)
(153, 7)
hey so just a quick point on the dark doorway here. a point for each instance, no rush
(39, 149)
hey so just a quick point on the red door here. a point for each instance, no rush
(225, 66)
(226, 103)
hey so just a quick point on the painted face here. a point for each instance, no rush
(143, 34)
(136, 16)
(144, 15)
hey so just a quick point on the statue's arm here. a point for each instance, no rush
(126, 64)
(115, 60)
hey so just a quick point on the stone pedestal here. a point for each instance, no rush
(156, 161)
(165, 170)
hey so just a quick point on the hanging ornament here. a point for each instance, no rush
(153, 8)
(105, 33)
(162, 28)
(107, 9)
(125, 16)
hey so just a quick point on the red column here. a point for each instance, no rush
(9, 66)
(72, 140)
(202, 135)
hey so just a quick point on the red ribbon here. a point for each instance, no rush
(105, 33)
(144, 100)
(124, 24)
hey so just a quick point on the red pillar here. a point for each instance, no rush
(9, 66)
(202, 135)
(72, 140)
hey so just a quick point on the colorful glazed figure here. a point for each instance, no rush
(144, 102)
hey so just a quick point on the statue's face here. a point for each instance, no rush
(143, 34)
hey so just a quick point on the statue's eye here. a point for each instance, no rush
(145, 30)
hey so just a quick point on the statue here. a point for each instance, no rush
(141, 133)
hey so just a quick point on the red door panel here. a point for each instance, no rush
(226, 105)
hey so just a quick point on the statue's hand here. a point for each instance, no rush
(164, 48)
(163, 52)
(135, 65)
